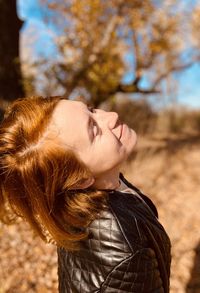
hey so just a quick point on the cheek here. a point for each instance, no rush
(107, 157)
(114, 152)
(106, 153)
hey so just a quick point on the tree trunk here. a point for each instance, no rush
(11, 86)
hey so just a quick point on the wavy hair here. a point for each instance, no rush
(38, 177)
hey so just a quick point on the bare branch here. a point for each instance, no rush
(173, 69)
(133, 88)
(108, 32)
(138, 72)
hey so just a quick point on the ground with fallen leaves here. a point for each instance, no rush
(168, 170)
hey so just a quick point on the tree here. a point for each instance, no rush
(195, 27)
(99, 41)
(10, 72)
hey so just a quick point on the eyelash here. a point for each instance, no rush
(91, 109)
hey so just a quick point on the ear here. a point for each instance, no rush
(83, 184)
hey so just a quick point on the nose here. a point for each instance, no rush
(110, 119)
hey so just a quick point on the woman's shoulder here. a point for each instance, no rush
(105, 232)
(104, 248)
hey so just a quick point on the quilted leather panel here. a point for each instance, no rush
(85, 271)
(132, 275)
(127, 251)
(152, 233)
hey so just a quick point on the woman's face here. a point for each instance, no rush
(99, 139)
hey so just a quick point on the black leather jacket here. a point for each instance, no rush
(128, 250)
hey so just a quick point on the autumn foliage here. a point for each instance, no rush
(108, 47)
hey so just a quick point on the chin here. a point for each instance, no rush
(131, 143)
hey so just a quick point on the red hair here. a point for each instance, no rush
(38, 177)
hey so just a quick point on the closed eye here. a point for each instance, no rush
(91, 109)
(93, 123)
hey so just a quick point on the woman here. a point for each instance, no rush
(59, 170)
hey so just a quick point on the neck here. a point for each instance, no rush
(110, 180)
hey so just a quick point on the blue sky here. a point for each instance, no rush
(28, 10)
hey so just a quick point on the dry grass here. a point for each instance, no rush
(167, 169)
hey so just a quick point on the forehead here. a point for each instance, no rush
(68, 111)
(65, 106)
(69, 120)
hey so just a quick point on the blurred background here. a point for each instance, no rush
(138, 58)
